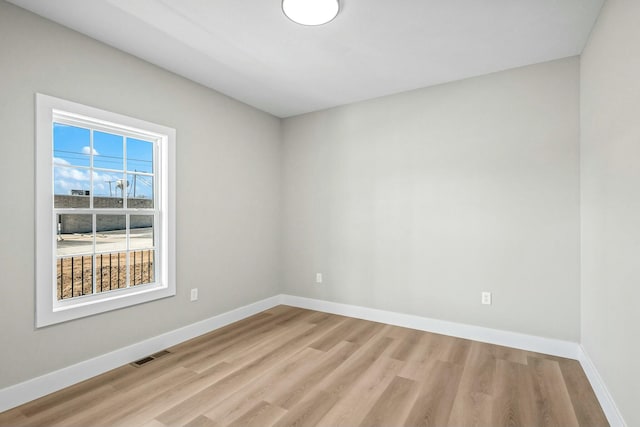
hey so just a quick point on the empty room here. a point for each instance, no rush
(320, 213)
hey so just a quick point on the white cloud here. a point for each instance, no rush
(65, 185)
(105, 176)
(67, 179)
(104, 184)
(87, 150)
(59, 161)
(73, 174)
(99, 187)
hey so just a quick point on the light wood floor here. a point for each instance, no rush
(295, 367)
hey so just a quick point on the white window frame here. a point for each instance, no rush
(48, 309)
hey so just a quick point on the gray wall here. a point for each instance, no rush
(227, 178)
(419, 201)
(414, 202)
(610, 167)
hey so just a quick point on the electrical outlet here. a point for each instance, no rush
(194, 294)
(486, 298)
(318, 277)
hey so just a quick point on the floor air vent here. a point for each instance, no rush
(160, 354)
(148, 359)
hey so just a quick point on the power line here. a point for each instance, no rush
(102, 156)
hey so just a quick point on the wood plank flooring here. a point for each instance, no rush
(294, 367)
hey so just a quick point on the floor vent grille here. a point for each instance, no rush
(148, 359)
(160, 354)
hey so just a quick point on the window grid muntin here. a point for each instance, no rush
(128, 250)
(93, 125)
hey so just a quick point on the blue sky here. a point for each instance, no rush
(72, 148)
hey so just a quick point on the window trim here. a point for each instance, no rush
(48, 309)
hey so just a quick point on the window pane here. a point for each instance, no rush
(140, 191)
(141, 266)
(108, 151)
(71, 187)
(108, 189)
(74, 245)
(111, 233)
(141, 232)
(71, 145)
(75, 234)
(139, 155)
(75, 276)
(112, 271)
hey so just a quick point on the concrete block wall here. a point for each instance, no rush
(73, 223)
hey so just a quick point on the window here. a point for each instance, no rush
(104, 209)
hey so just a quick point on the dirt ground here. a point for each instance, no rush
(74, 274)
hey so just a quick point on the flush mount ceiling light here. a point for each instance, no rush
(310, 12)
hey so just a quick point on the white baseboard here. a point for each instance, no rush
(37, 387)
(550, 346)
(613, 414)
(27, 391)
(537, 344)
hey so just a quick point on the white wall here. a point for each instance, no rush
(419, 201)
(610, 168)
(227, 193)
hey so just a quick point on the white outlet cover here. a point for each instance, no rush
(194, 294)
(486, 298)
(318, 277)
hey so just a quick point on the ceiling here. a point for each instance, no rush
(248, 50)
